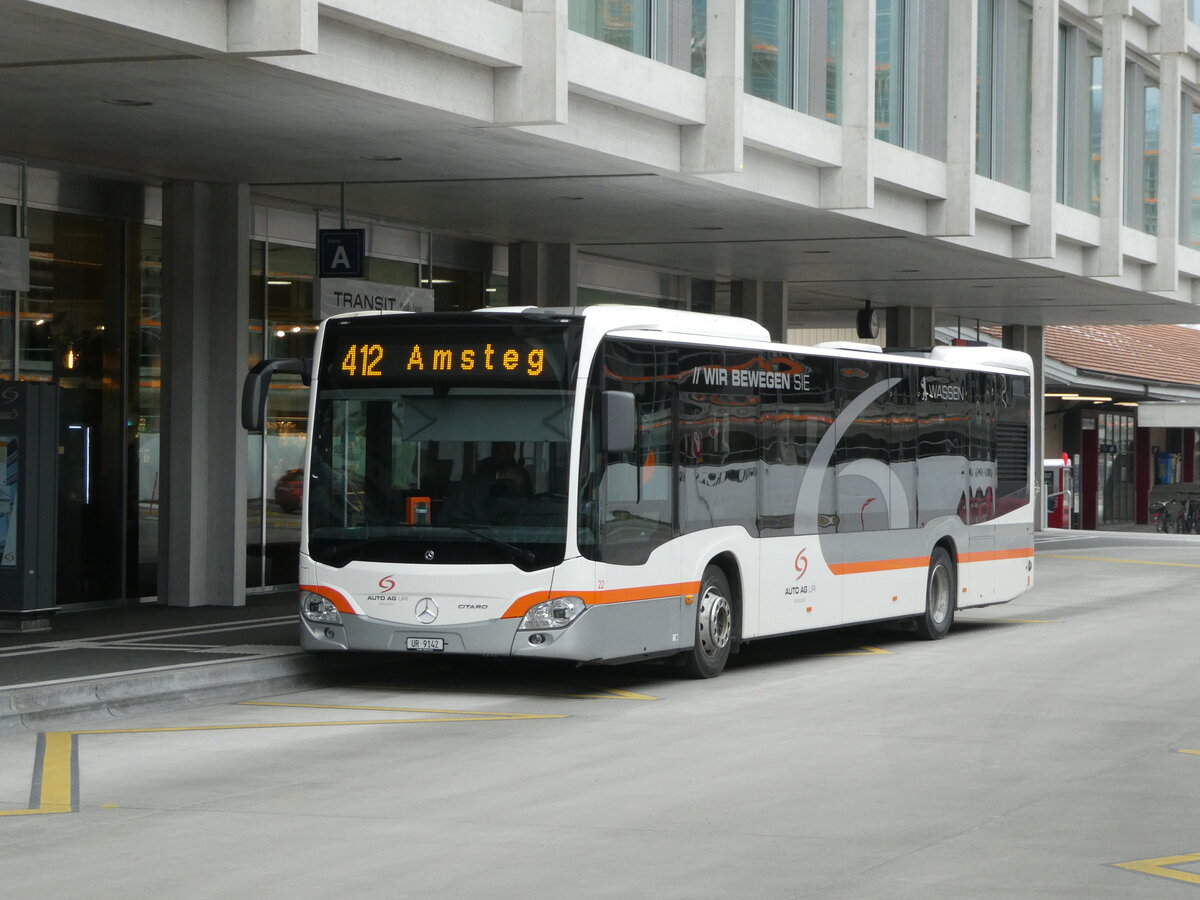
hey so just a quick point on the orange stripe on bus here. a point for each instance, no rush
(879, 565)
(618, 595)
(334, 597)
(993, 555)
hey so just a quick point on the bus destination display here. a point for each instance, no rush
(379, 360)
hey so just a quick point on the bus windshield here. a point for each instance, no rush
(463, 463)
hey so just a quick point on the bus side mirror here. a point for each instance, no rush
(618, 422)
(258, 382)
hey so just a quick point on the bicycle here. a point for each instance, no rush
(1188, 520)
(1163, 520)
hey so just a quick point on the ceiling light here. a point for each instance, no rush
(1063, 396)
(295, 329)
(1125, 403)
(489, 290)
(436, 281)
(1094, 399)
(281, 334)
(275, 281)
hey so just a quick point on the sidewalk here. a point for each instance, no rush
(115, 661)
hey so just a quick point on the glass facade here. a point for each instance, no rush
(89, 324)
(1142, 109)
(671, 31)
(1080, 104)
(910, 74)
(1189, 180)
(1003, 90)
(793, 53)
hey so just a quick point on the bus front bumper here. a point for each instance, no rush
(601, 633)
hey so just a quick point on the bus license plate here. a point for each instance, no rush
(426, 644)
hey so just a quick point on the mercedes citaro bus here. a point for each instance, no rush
(614, 483)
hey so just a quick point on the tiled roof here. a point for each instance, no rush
(1163, 353)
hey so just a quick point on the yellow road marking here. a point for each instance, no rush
(1161, 867)
(858, 651)
(1136, 562)
(601, 693)
(483, 716)
(55, 784)
(611, 694)
(1193, 752)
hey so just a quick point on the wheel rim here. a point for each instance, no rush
(939, 594)
(715, 622)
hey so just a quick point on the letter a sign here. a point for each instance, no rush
(342, 252)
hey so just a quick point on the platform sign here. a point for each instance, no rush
(342, 252)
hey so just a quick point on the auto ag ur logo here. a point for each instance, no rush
(801, 563)
(387, 583)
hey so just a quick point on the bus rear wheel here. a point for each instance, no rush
(714, 626)
(940, 586)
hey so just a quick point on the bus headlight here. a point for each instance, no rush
(316, 608)
(557, 613)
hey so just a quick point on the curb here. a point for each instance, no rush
(34, 707)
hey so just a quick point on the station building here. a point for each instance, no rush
(165, 169)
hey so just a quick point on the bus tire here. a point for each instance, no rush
(940, 586)
(714, 626)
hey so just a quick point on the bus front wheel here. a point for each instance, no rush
(940, 585)
(714, 626)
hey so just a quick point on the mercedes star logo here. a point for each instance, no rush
(426, 610)
(429, 556)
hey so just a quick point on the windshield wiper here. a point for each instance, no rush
(339, 556)
(520, 554)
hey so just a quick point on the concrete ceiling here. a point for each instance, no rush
(221, 118)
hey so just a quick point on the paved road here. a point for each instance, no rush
(1042, 745)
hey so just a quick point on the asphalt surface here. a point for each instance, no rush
(1049, 747)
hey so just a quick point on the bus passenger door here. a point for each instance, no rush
(797, 523)
(629, 500)
(977, 569)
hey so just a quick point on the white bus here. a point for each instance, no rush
(614, 483)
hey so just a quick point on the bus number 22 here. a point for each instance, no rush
(363, 359)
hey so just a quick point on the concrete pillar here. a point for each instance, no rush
(773, 309)
(765, 302)
(541, 274)
(716, 146)
(908, 326)
(852, 184)
(1164, 276)
(206, 264)
(744, 298)
(1039, 240)
(956, 215)
(1031, 339)
(535, 92)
